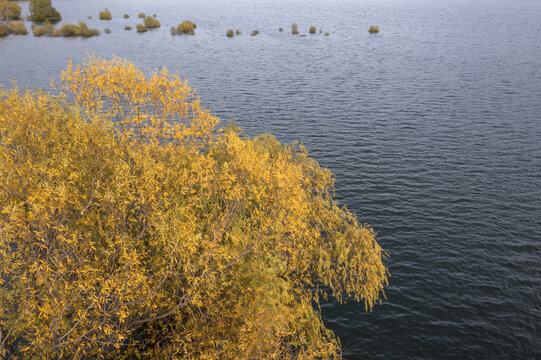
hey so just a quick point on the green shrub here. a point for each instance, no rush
(128, 27)
(373, 29)
(295, 31)
(126, 16)
(105, 15)
(141, 15)
(312, 30)
(17, 27)
(3, 30)
(230, 33)
(255, 32)
(141, 28)
(9, 10)
(67, 30)
(42, 10)
(85, 31)
(151, 22)
(47, 29)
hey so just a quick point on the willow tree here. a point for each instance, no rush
(130, 226)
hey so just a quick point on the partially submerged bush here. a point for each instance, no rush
(46, 30)
(238, 32)
(312, 30)
(67, 30)
(42, 10)
(254, 33)
(373, 29)
(107, 31)
(89, 17)
(85, 31)
(186, 27)
(151, 22)
(295, 31)
(17, 27)
(281, 29)
(141, 28)
(326, 33)
(230, 33)
(9, 10)
(127, 27)
(135, 230)
(3, 30)
(126, 16)
(141, 15)
(105, 15)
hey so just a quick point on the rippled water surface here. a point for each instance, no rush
(432, 127)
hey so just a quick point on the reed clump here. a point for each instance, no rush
(295, 32)
(141, 28)
(151, 22)
(17, 27)
(326, 33)
(373, 29)
(67, 30)
(3, 30)
(186, 27)
(230, 33)
(255, 33)
(105, 15)
(312, 30)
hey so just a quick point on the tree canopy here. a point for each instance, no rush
(43, 10)
(131, 226)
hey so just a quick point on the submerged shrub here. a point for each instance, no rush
(89, 17)
(151, 22)
(238, 32)
(312, 30)
(67, 30)
(281, 29)
(254, 33)
(230, 33)
(105, 15)
(126, 16)
(85, 31)
(42, 10)
(127, 27)
(295, 31)
(134, 226)
(9, 10)
(326, 33)
(46, 30)
(17, 27)
(3, 30)
(186, 27)
(141, 15)
(373, 29)
(294, 26)
(141, 28)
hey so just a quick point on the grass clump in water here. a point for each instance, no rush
(3, 30)
(373, 29)
(127, 27)
(85, 31)
(141, 15)
(312, 30)
(152, 22)
(326, 33)
(238, 32)
(141, 28)
(255, 33)
(186, 27)
(105, 15)
(294, 29)
(281, 29)
(46, 30)
(230, 33)
(126, 16)
(17, 27)
(67, 30)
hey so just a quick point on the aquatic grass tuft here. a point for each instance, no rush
(105, 15)
(141, 28)
(127, 27)
(254, 33)
(238, 32)
(326, 33)
(141, 15)
(126, 16)
(186, 27)
(281, 29)
(373, 29)
(230, 33)
(151, 22)
(17, 27)
(312, 30)
(67, 30)
(107, 31)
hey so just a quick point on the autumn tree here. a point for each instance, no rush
(42, 10)
(130, 227)
(9, 10)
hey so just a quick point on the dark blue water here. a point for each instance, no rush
(432, 127)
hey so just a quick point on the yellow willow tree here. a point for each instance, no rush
(131, 228)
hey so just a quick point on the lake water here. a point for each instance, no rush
(432, 127)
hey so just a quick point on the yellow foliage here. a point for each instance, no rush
(131, 228)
